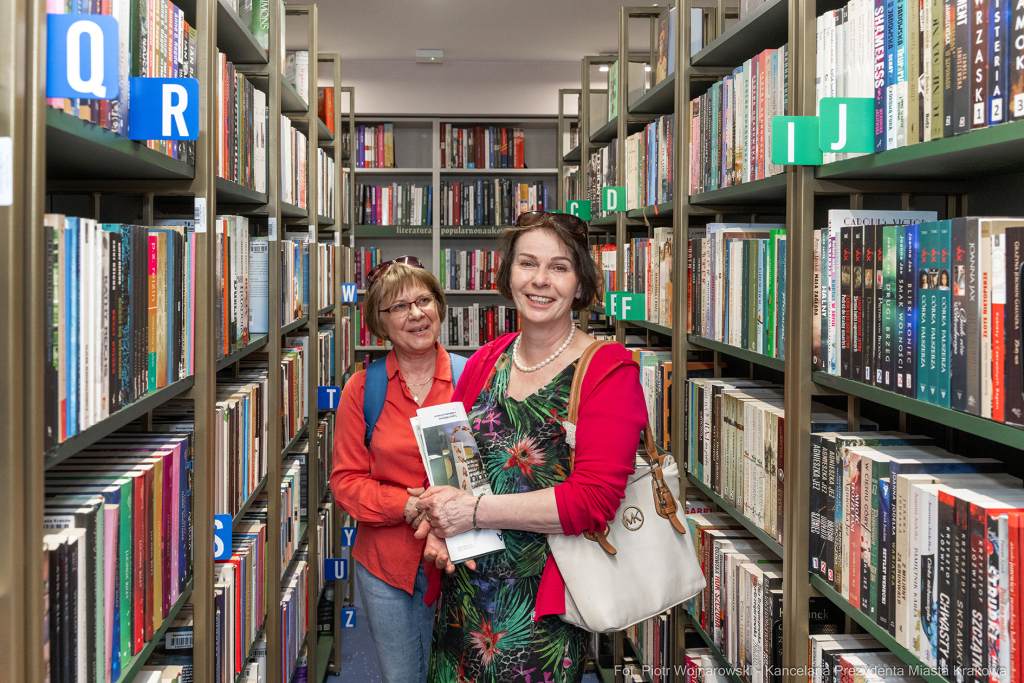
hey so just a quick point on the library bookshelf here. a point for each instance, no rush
(983, 166)
(418, 160)
(59, 160)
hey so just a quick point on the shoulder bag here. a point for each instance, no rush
(644, 562)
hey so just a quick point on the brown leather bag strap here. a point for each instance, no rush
(577, 387)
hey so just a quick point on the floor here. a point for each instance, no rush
(359, 659)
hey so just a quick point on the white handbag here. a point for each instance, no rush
(644, 562)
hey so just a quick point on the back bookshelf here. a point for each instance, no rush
(62, 164)
(418, 161)
(981, 167)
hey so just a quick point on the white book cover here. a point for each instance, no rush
(451, 458)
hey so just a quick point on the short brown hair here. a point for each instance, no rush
(393, 282)
(587, 273)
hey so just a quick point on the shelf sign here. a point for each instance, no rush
(348, 617)
(795, 141)
(579, 208)
(613, 198)
(847, 124)
(163, 109)
(348, 536)
(327, 398)
(348, 292)
(335, 569)
(81, 56)
(222, 537)
(625, 305)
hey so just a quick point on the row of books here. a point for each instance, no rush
(294, 617)
(925, 309)
(497, 201)
(395, 204)
(240, 607)
(601, 173)
(294, 374)
(469, 269)
(296, 71)
(606, 258)
(375, 146)
(235, 300)
(653, 642)
(733, 122)
(242, 128)
(325, 110)
(294, 146)
(741, 609)
(650, 164)
(325, 197)
(737, 285)
(837, 657)
(255, 15)
(923, 542)
(367, 259)
(648, 270)
(117, 550)
(482, 147)
(735, 444)
(656, 382)
(154, 41)
(324, 536)
(120, 310)
(300, 455)
(966, 59)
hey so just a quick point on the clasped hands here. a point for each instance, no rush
(438, 513)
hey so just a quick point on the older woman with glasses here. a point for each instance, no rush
(498, 616)
(378, 475)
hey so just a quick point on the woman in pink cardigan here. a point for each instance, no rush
(498, 617)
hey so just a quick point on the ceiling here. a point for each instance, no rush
(469, 30)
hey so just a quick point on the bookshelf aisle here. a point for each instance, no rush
(215, 203)
(456, 238)
(941, 173)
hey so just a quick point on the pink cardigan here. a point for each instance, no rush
(611, 419)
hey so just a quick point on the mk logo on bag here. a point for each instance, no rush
(632, 518)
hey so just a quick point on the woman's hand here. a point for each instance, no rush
(436, 551)
(413, 517)
(449, 510)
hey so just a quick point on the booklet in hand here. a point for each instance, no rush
(451, 458)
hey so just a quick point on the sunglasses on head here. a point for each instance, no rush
(382, 268)
(565, 220)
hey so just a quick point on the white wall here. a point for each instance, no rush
(459, 88)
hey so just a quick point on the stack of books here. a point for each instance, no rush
(733, 124)
(482, 147)
(469, 269)
(650, 164)
(117, 552)
(325, 199)
(234, 252)
(242, 129)
(395, 204)
(737, 285)
(118, 329)
(375, 146)
(496, 201)
(294, 146)
(601, 173)
(924, 543)
(735, 431)
(648, 271)
(325, 110)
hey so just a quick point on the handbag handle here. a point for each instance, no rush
(663, 498)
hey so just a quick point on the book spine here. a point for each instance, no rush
(924, 314)
(845, 301)
(962, 44)
(942, 298)
(979, 67)
(879, 38)
(857, 305)
(1015, 59)
(998, 71)
(884, 610)
(1014, 382)
(998, 298)
(959, 339)
(913, 312)
(977, 663)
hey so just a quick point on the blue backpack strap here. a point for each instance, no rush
(376, 390)
(374, 394)
(458, 365)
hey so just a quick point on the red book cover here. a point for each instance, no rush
(853, 520)
(472, 271)
(520, 154)
(1014, 594)
(151, 571)
(490, 325)
(457, 197)
(504, 147)
(478, 148)
(998, 350)
(169, 505)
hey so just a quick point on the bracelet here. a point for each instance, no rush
(475, 508)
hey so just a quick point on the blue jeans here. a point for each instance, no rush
(401, 626)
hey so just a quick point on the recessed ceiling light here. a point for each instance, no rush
(603, 67)
(647, 67)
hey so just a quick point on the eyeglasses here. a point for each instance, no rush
(382, 268)
(571, 223)
(403, 308)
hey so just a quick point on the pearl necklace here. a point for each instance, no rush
(515, 353)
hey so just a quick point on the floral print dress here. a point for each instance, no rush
(484, 630)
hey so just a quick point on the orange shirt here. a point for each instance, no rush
(370, 485)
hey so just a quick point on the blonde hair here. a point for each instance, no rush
(390, 285)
